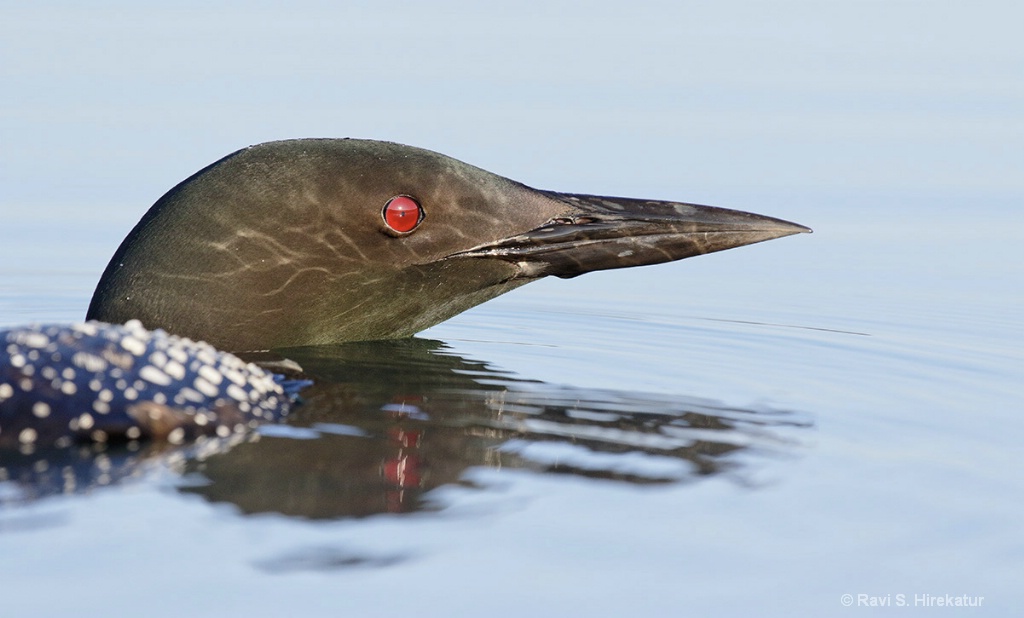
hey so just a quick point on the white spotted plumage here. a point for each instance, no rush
(83, 381)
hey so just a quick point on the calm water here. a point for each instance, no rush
(756, 432)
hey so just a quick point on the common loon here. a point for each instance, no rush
(307, 242)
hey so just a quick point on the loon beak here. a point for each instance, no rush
(601, 233)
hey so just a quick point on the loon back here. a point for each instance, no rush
(100, 382)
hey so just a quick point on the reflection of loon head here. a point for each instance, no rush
(386, 422)
(321, 241)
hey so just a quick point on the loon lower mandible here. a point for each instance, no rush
(318, 241)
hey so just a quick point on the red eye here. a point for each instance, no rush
(402, 213)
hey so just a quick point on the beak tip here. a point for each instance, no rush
(794, 228)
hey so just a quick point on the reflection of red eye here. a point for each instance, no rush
(402, 213)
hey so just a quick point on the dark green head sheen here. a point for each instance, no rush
(317, 241)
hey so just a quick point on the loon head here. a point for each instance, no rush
(318, 241)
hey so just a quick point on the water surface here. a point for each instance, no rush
(756, 432)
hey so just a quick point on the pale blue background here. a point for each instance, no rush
(895, 129)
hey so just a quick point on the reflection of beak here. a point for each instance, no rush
(599, 233)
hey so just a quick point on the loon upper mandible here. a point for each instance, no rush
(317, 241)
